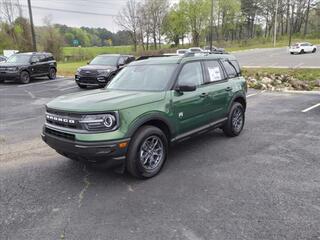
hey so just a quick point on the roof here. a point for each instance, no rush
(114, 55)
(182, 59)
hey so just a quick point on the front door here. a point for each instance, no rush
(191, 108)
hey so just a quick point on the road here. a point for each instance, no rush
(263, 184)
(277, 58)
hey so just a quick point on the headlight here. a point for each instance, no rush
(104, 72)
(100, 122)
(78, 71)
(12, 69)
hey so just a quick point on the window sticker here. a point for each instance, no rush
(214, 73)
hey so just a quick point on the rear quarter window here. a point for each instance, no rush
(230, 69)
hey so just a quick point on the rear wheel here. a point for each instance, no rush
(147, 152)
(302, 51)
(24, 77)
(52, 73)
(236, 119)
(314, 50)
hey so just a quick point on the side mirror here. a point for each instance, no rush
(33, 62)
(186, 88)
(88, 62)
(120, 65)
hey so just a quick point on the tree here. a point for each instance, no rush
(175, 26)
(128, 20)
(197, 15)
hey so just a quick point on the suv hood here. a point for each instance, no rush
(103, 100)
(5, 64)
(98, 67)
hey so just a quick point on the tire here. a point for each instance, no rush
(302, 51)
(291, 53)
(24, 77)
(234, 127)
(82, 86)
(141, 166)
(314, 50)
(52, 73)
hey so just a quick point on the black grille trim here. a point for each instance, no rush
(60, 134)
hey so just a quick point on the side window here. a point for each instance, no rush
(35, 59)
(214, 71)
(237, 66)
(191, 74)
(42, 58)
(231, 71)
(121, 61)
(130, 59)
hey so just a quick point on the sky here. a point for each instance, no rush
(98, 13)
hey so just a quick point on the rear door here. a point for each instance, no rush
(44, 65)
(220, 89)
(35, 68)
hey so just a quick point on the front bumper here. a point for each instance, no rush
(97, 151)
(9, 76)
(91, 80)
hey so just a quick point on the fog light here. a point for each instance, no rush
(101, 79)
(123, 145)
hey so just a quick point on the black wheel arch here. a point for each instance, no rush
(155, 119)
(240, 98)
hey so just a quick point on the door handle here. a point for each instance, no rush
(202, 95)
(229, 89)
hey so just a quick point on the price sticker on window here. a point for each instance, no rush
(214, 73)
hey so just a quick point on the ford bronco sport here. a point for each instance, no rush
(23, 66)
(148, 106)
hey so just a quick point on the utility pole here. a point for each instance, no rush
(211, 25)
(34, 43)
(275, 24)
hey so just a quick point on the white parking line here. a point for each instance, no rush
(310, 108)
(30, 94)
(254, 94)
(44, 82)
(67, 88)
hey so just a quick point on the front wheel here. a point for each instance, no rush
(314, 50)
(302, 51)
(236, 119)
(147, 152)
(24, 77)
(52, 73)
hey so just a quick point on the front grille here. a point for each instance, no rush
(87, 80)
(60, 134)
(63, 119)
(84, 72)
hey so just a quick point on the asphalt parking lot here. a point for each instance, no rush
(277, 58)
(263, 184)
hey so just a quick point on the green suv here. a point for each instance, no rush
(147, 107)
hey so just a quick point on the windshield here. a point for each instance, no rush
(105, 60)
(143, 78)
(19, 59)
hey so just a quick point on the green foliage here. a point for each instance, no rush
(175, 26)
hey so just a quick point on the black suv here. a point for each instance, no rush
(23, 66)
(101, 70)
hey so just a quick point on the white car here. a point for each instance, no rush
(304, 47)
(195, 50)
(181, 51)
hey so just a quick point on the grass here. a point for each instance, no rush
(69, 68)
(299, 74)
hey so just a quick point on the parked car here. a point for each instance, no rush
(195, 50)
(181, 52)
(300, 48)
(101, 70)
(214, 49)
(23, 66)
(2, 59)
(148, 106)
